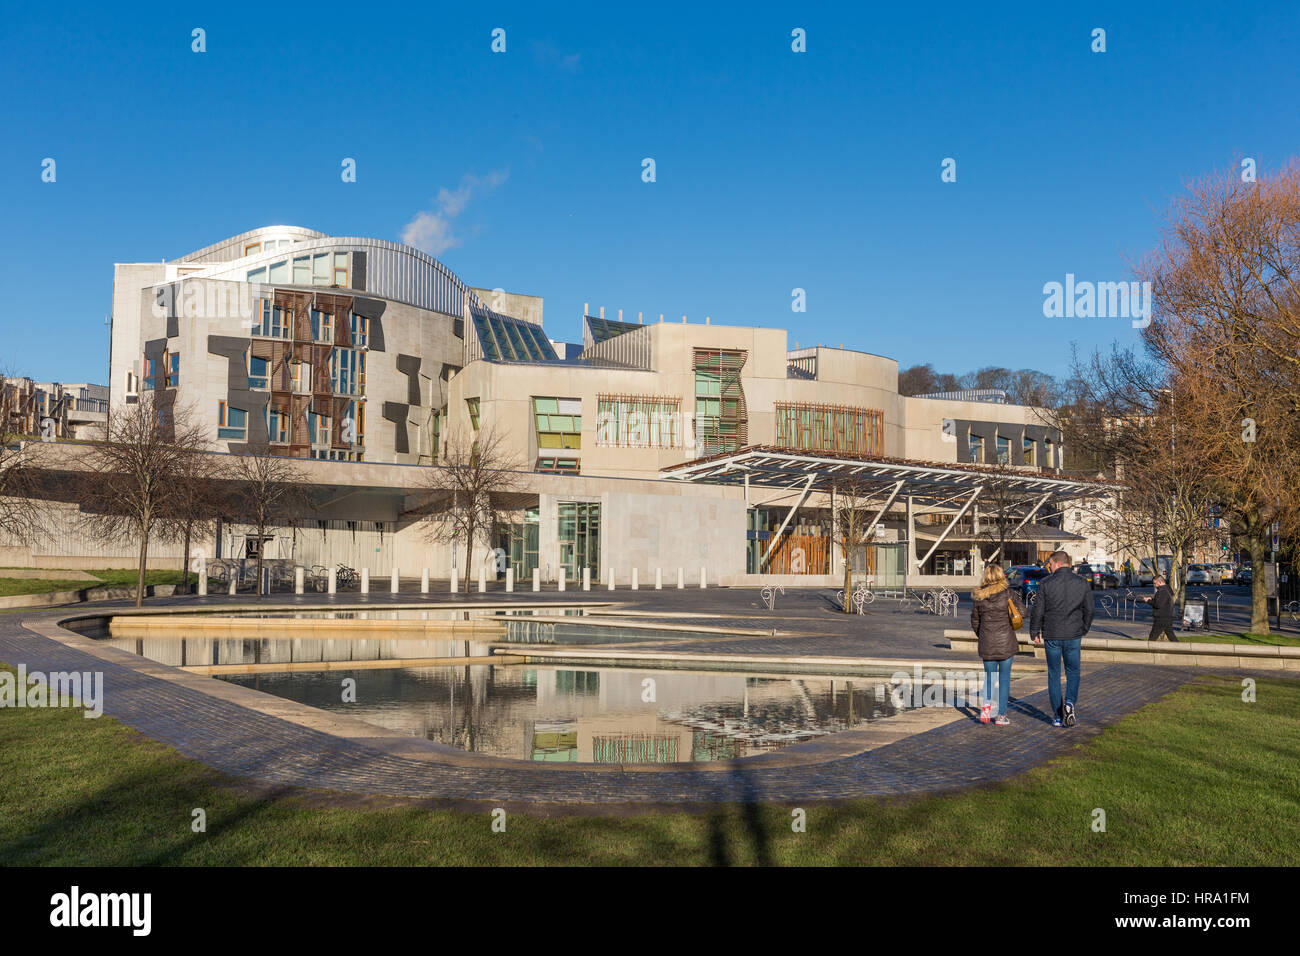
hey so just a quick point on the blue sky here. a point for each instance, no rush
(775, 169)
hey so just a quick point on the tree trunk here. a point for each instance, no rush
(185, 560)
(261, 551)
(469, 551)
(1258, 584)
(848, 580)
(139, 578)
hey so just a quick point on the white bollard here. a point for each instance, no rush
(609, 576)
(334, 580)
(659, 579)
(482, 579)
(681, 578)
(365, 580)
(299, 579)
(234, 583)
(203, 582)
(455, 581)
(537, 579)
(510, 580)
(424, 581)
(393, 580)
(703, 577)
(635, 584)
(586, 579)
(563, 575)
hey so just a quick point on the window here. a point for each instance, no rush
(302, 270)
(150, 373)
(1004, 450)
(132, 383)
(258, 370)
(563, 466)
(1031, 451)
(360, 328)
(1049, 453)
(347, 371)
(272, 321)
(231, 422)
(721, 422)
(277, 425)
(976, 448)
(638, 421)
(252, 249)
(173, 366)
(300, 376)
(341, 270)
(558, 421)
(318, 429)
(322, 326)
(472, 405)
(278, 272)
(836, 428)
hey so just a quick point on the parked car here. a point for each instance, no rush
(1025, 578)
(1199, 574)
(1097, 576)
(1226, 573)
(1245, 576)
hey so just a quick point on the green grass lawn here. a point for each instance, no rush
(1199, 778)
(115, 577)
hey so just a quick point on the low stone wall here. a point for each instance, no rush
(55, 598)
(1180, 654)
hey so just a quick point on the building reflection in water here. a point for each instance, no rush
(603, 715)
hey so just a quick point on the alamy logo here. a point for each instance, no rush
(56, 689)
(1098, 300)
(75, 908)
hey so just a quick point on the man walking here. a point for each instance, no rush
(1061, 616)
(1162, 610)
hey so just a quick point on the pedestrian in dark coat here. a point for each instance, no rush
(1162, 610)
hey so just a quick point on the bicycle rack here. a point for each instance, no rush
(769, 596)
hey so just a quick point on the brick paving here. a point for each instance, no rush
(267, 749)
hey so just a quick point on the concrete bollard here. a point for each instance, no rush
(636, 585)
(703, 578)
(609, 576)
(537, 579)
(334, 580)
(299, 579)
(681, 578)
(659, 579)
(424, 581)
(482, 579)
(563, 575)
(203, 582)
(365, 580)
(455, 581)
(586, 579)
(393, 580)
(510, 580)
(234, 583)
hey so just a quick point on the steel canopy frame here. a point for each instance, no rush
(927, 483)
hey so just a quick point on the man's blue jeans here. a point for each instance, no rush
(1057, 651)
(999, 671)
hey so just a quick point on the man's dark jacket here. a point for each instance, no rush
(1063, 609)
(1162, 605)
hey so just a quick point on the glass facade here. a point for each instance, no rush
(503, 339)
(579, 536)
(638, 421)
(721, 421)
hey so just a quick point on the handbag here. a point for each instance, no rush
(1017, 619)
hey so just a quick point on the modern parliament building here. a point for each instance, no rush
(665, 448)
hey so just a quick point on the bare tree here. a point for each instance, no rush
(133, 478)
(266, 492)
(193, 510)
(469, 491)
(852, 508)
(22, 512)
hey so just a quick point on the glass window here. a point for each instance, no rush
(320, 268)
(558, 422)
(173, 370)
(232, 423)
(1031, 451)
(150, 373)
(277, 426)
(721, 424)
(830, 428)
(360, 330)
(318, 428)
(472, 405)
(1004, 450)
(302, 270)
(258, 371)
(279, 271)
(257, 275)
(252, 249)
(976, 448)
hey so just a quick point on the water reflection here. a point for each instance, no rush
(590, 716)
(217, 651)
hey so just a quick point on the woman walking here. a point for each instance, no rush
(994, 617)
